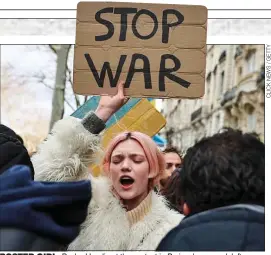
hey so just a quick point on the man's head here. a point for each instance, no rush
(12, 150)
(171, 191)
(225, 169)
(173, 161)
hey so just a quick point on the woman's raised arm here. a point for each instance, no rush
(72, 144)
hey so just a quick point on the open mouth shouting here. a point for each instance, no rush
(126, 182)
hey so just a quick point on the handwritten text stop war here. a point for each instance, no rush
(164, 72)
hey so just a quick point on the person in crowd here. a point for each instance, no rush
(223, 190)
(36, 215)
(12, 150)
(171, 191)
(173, 161)
(20, 139)
(124, 213)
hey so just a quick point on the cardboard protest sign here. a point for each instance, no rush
(157, 50)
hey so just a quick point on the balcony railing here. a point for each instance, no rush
(229, 95)
(196, 114)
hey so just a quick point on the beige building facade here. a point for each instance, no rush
(234, 97)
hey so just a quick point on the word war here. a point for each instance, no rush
(145, 70)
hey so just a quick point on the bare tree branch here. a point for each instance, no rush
(77, 101)
(69, 74)
(175, 108)
(47, 86)
(42, 80)
(86, 99)
(78, 104)
(69, 104)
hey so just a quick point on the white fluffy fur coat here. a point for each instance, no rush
(65, 156)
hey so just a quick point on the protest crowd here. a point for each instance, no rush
(210, 199)
(144, 198)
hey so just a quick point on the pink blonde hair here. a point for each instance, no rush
(153, 154)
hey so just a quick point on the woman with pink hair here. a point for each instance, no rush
(124, 213)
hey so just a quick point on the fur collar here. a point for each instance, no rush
(107, 226)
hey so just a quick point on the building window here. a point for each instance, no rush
(251, 65)
(239, 74)
(251, 118)
(217, 122)
(240, 71)
(221, 84)
(209, 130)
(222, 56)
(238, 52)
(208, 84)
(208, 89)
(251, 121)
(235, 122)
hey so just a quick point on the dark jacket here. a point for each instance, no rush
(232, 228)
(40, 215)
(12, 151)
(14, 239)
